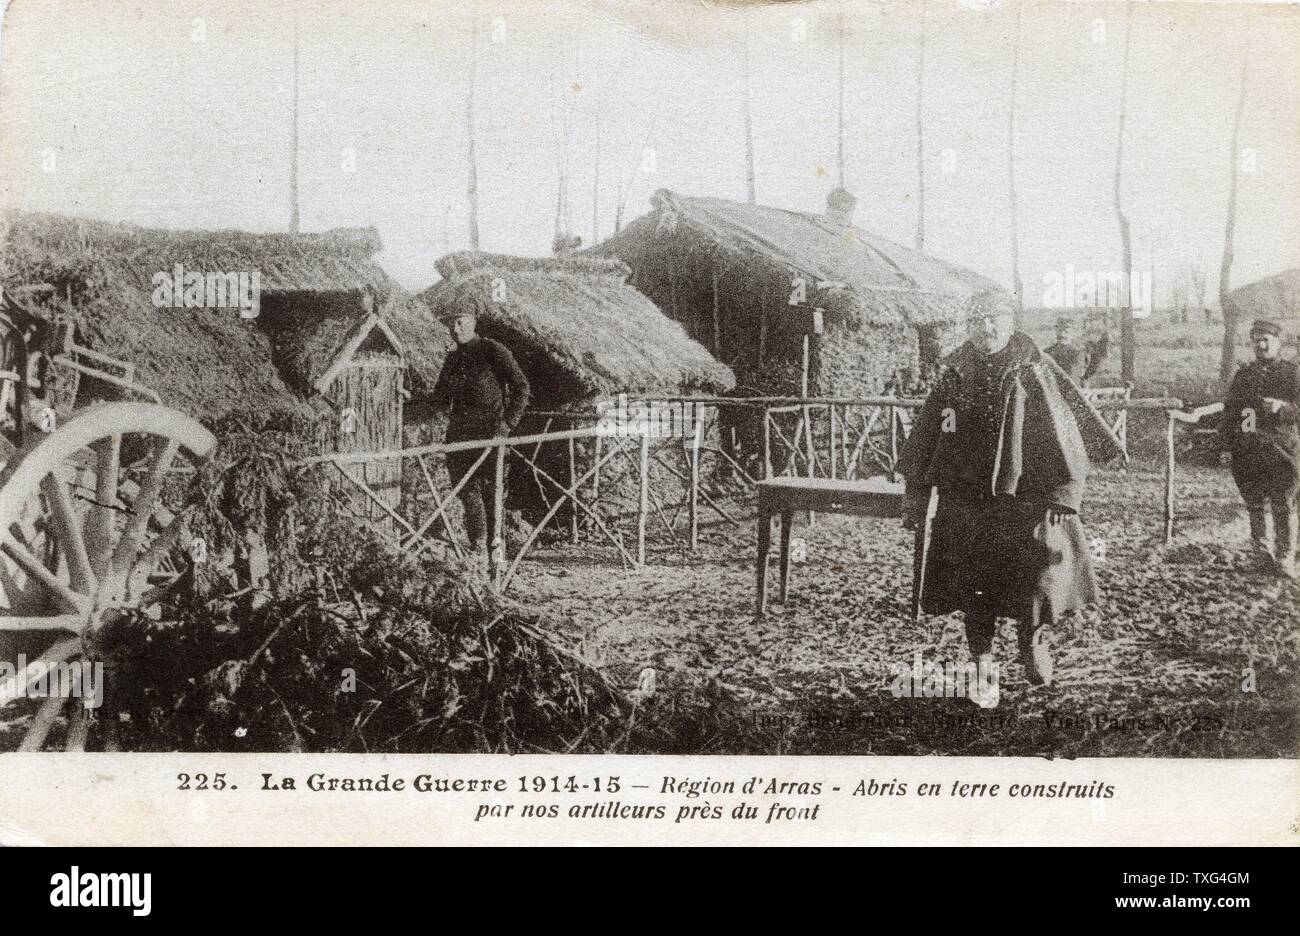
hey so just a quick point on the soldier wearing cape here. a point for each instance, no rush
(1005, 439)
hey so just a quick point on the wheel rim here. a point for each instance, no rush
(84, 538)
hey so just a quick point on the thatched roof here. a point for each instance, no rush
(425, 340)
(208, 362)
(1274, 297)
(883, 282)
(576, 326)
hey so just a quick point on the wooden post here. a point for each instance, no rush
(499, 503)
(643, 505)
(573, 486)
(694, 502)
(809, 447)
(1169, 479)
(595, 479)
(893, 442)
(830, 410)
(844, 442)
(767, 443)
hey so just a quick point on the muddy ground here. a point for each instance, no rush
(1194, 653)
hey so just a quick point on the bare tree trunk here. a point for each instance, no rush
(1017, 287)
(749, 127)
(920, 139)
(471, 187)
(562, 213)
(839, 154)
(1228, 354)
(1128, 336)
(595, 189)
(294, 219)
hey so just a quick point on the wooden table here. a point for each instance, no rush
(874, 497)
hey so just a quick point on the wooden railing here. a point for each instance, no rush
(855, 438)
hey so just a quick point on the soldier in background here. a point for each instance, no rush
(1260, 438)
(488, 394)
(1080, 360)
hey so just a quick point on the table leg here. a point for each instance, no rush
(787, 521)
(764, 547)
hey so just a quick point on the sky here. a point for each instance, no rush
(176, 114)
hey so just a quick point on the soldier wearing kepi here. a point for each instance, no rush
(1006, 439)
(1261, 439)
(1080, 360)
(488, 394)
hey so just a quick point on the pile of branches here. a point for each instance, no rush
(382, 654)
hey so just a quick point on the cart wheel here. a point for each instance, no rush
(86, 535)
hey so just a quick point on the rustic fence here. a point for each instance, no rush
(813, 437)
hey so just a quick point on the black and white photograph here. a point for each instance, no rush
(607, 380)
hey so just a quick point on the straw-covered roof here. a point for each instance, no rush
(576, 326)
(857, 275)
(1274, 297)
(209, 362)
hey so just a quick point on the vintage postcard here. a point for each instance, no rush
(619, 421)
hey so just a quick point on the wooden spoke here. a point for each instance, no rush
(172, 537)
(37, 622)
(37, 570)
(67, 530)
(124, 554)
(15, 685)
(45, 718)
(99, 521)
(78, 728)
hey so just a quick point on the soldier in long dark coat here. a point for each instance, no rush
(1260, 436)
(1006, 439)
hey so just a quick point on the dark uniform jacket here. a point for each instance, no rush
(1004, 437)
(1264, 445)
(485, 387)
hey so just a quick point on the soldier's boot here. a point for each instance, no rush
(1284, 535)
(979, 634)
(980, 630)
(1036, 653)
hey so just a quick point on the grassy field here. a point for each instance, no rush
(1173, 359)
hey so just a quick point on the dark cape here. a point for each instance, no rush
(1004, 437)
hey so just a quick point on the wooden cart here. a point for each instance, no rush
(86, 530)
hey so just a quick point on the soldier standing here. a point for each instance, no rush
(1079, 361)
(1005, 438)
(1261, 439)
(488, 393)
